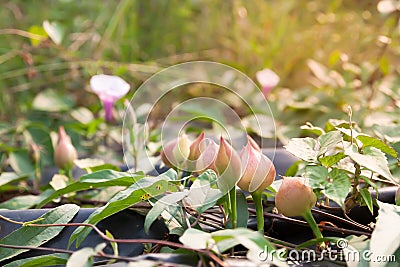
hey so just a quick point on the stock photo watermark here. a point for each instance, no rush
(343, 253)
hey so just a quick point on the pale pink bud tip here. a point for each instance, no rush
(197, 146)
(208, 157)
(253, 143)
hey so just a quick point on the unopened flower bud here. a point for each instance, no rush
(294, 198)
(207, 158)
(228, 166)
(259, 171)
(176, 152)
(65, 153)
(197, 146)
(253, 143)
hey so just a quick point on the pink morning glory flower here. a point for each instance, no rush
(109, 89)
(267, 79)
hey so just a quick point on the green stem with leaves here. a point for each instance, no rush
(257, 198)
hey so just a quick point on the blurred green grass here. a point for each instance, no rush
(134, 39)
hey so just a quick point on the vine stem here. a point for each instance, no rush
(303, 223)
(348, 221)
(233, 206)
(257, 198)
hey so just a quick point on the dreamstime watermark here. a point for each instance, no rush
(343, 253)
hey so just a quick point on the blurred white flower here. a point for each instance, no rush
(267, 79)
(109, 89)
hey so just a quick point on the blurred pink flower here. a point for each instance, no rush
(109, 89)
(267, 79)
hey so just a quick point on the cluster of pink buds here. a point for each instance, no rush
(251, 170)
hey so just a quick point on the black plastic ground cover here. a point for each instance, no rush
(126, 224)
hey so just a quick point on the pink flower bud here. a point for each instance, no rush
(197, 147)
(176, 152)
(208, 157)
(65, 153)
(259, 171)
(228, 166)
(294, 198)
(253, 143)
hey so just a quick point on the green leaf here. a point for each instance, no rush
(328, 141)
(10, 177)
(366, 195)
(141, 190)
(313, 129)
(385, 239)
(39, 261)
(21, 163)
(293, 169)
(161, 205)
(348, 132)
(373, 159)
(242, 209)
(59, 181)
(114, 245)
(36, 236)
(83, 115)
(317, 176)
(201, 194)
(197, 239)
(224, 240)
(303, 148)
(369, 182)
(329, 161)
(48, 100)
(388, 133)
(96, 180)
(19, 202)
(371, 141)
(82, 258)
(339, 188)
(94, 165)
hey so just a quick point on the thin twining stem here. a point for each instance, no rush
(349, 221)
(303, 223)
